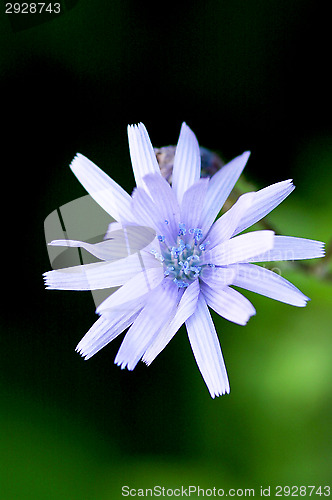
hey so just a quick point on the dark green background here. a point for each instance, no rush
(244, 75)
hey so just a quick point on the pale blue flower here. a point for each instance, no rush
(178, 262)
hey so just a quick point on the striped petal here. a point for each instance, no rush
(263, 202)
(100, 275)
(146, 211)
(143, 157)
(165, 200)
(290, 248)
(186, 308)
(224, 227)
(139, 285)
(187, 162)
(228, 303)
(221, 184)
(192, 205)
(265, 282)
(107, 328)
(106, 192)
(240, 248)
(216, 276)
(206, 348)
(130, 240)
(157, 313)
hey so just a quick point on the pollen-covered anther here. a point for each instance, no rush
(182, 229)
(197, 234)
(182, 261)
(157, 255)
(180, 283)
(203, 246)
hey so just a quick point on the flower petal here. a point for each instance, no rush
(290, 248)
(106, 192)
(265, 282)
(223, 228)
(131, 237)
(136, 287)
(206, 348)
(100, 275)
(220, 186)
(264, 201)
(122, 243)
(216, 276)
(228, 303)
(143, 157)
(146, 211)
(157, 312)
(165, 200)
(185, 309)
(187, 162)
(240, 248)
(192, 204)
(107, 328)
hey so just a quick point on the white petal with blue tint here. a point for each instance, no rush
(165, 201)
(192, 204)
(140, 284)
(128, 239)
(131, 240)
(228, 303)
(217, 275)
(106, 329)
(264, 201)
(291, 248)
(100, 275)
(186, 308)
(221, 184)
(143, 157)
(106, 192)
(240, 248)
(158, 311)
(265, 282)
(145, 210)
(224, 227)
(206, 348)
(187, 162)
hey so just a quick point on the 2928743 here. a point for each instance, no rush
(302, 491)
(32, 8)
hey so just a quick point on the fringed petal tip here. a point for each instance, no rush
(322, 248)
(47, 280)
(80, 350)
(123, 365)
(146, 361)
(225, 390)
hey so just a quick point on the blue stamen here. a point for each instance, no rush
(182, 261)
(180, 283)
(203, 246)
(182, 229)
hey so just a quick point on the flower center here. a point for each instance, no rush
(182, 262)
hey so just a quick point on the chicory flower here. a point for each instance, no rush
(178, 262)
